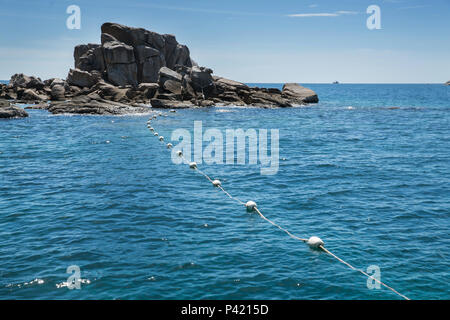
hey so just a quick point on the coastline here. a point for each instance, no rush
(133, 68)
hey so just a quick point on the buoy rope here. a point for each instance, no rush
(321, 246)
(231, 197)
(364, 273)
(279, 227)
(211, 180)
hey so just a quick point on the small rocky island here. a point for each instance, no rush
(133, 68)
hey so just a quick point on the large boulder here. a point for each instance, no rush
(8, 111)
(118, 52)
(57, 81)
(202, 81)
(58, 92)
(30, 95)
(129, 56)
(298, 94)
(80, 78)
(20, 80)
(104, 38)
(173, 52)
(228, 85)
(109, 92)
(120, 63)
(149, 89)
(267, 99)
(173, 86)
(7, 92)
(168, 74)
(89, 57)
(150, 60)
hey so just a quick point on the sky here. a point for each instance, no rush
(305, 41)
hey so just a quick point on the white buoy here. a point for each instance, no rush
(161, 138)
(179, 153)
(314, 242)
(172, 110)
(169, 145)
(250, 205)
(193, 165)
(152, 129)
(216, 183)
(155, 134)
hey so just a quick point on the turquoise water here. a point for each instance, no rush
(367, 170)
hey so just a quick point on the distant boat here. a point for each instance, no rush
(335, 82)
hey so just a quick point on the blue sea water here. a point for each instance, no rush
(367, 170)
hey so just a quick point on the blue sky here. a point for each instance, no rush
(306, 41)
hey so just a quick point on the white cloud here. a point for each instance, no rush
(324, 14)
(302, 15)
(413, 7)
(347, 12)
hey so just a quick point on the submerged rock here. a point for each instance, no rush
(39, 106)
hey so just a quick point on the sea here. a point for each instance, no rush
(99, 199)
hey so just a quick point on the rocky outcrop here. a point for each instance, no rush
(298, 94)
(8, 111)
(22, 81)
(94, 105)
(448, 83)
(136, 66)
(129, 56)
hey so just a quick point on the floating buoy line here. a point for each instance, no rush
(313, 242)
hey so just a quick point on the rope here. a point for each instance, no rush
(231, 197)
(364, 273)
(294, 236)
(282, 229)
